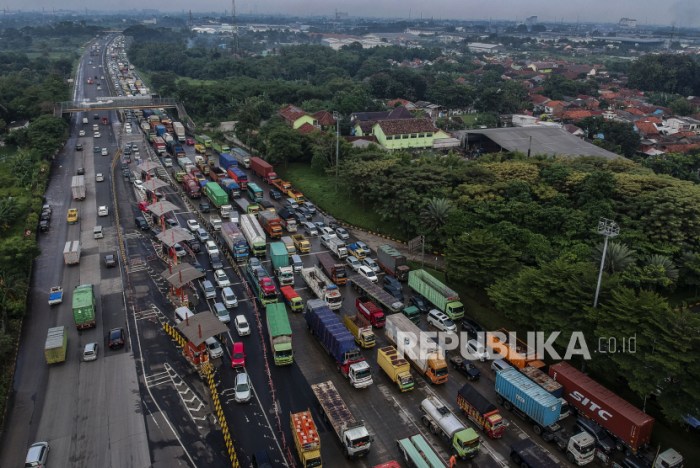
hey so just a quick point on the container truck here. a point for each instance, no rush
(322, 287)
(242, 156)
(215, 194)
(392, 262)
(55, 295)
(579, 448)
(288, 220)
(84, 306)
(217, 174)
(191, 187)
(227, 161)
(260, 282)
(550, 385)
(397, 368)
(531, 402)
(352, 433)
(416, 451)
(325, 325)
(373, 314)
(280, 332)
(338, 247)
(383, 299)
(78, 187)
(160, 130)
(421, 351)
(335, 271)
(71, 253)
(481, 411)
(230, 187)
(300, 242)
(263, 169)
(179, 131)
(464, 442)
(527, 454)
(254, 234)
(238, 176)
(271, 223)
(235, 241)
(292, 298)
(289, 245)
(442, 297)
(360, 329)
(306, 439)
(56, 345)
(280, 263)
(629, 425)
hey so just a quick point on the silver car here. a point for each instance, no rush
(243, 392)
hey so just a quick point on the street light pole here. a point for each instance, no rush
(607, 228)
(336, 116)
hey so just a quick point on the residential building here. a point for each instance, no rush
(405, 133)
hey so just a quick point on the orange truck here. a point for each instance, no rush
(516, 353)
(306, 439)
(292, 298)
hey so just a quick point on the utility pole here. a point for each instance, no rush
(336, 116)
(607, 228)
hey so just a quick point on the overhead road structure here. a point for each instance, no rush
(107, 103)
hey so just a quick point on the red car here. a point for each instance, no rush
(238, 355)
(189, 141)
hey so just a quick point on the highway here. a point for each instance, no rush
(145, 405)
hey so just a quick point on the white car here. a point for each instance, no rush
(242, 326)
(242, 391)
(102, 211)
(371, 263)
(221, 312)
(328, 231)
(138, 183)
(99, 177)
(368, 273)
(221, 279)
(179, 250)
(353, 262)
(96, 135)
(81, 133)
(90, 352)
(104, 152)
(211, 247)
(342, 233)
(192, 225)
(477, 350)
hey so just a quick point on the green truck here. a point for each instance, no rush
(203, 140)
(438, 294)
(215, 194)
(220, 148)
(280, 263)
(84, 306)
(280, 332)
(56, 345)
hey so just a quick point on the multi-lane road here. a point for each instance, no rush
(144, 405)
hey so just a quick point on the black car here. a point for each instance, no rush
(141, 223)
(78, 146)
(204, 207)
(393, 287)
(420, 303)
(80, 171)
(471, 327)
(96, 116)
(116, 338)
(172, 222)
(195, 246)
(45, 216)
(110, 261)
(275, 194)
(465, 367)
(198, 266)
(127, 150)
(304, 213)
(215, 260)
(266, 204)
(44, 226)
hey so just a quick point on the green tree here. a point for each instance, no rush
(435, 214)
(681, 106)
(479, 258)
(618, 257)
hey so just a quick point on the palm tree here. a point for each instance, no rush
(618, 257)
(435, 213)
(664, 263)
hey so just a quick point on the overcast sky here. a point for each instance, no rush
(678, 12)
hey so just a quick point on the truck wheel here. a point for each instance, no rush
(425, 420)
(516, 458)
(433, 429)
(538, 429)
(499, 400)
(507, 405)
(570, 457)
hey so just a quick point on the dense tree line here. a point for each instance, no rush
(679, 74)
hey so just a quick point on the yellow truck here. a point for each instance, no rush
(301, 243)
(72, 216)
(397, 368)
(200, 148)
(361, 329)
(306, 439)
(56, 345)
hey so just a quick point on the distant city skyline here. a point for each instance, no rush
(682, 13)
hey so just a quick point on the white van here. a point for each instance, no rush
(441, 321)
(182, 314)
(229, 297)
(208, 289)
(214, 347)
(291, 204)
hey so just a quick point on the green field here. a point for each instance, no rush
(322, 190)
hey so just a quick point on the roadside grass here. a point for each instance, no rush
(322, 190)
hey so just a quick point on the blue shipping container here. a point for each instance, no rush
(160, 130)
(226, 161)
(541, 406)
(329, 331)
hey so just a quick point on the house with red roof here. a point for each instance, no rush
(300, 120)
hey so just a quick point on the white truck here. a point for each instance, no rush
(338, 247)
(71, 253)
(78, 187)
(254, 234)
(179, 131)
(322, 287)
(353, 434)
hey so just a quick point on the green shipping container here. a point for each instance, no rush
(84, 306)
(215, 194)
(280, 333)
(437, 293)
(279, 255)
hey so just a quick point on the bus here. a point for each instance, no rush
(255, 193)
(418, 453)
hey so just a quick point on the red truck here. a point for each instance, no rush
(292, 298)
(191, 186)
(623, 420)
(263, 169)
(216, 173)
(271, 223)
(371, 312)
(481, 411)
